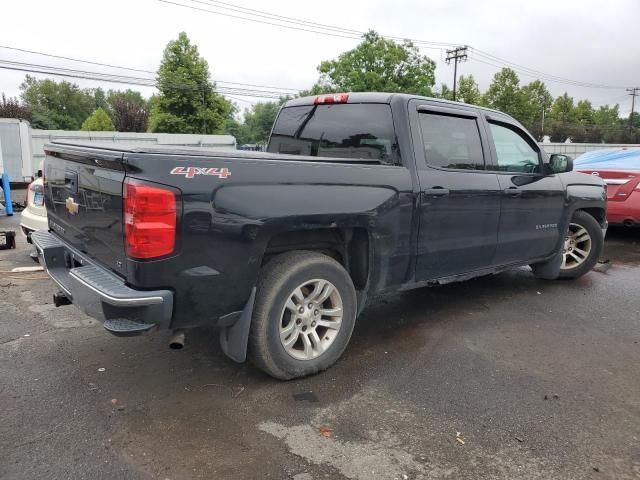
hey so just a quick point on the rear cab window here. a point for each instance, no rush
(451, 142)
(349, 130)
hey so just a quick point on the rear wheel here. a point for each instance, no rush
(582, 246)
(303, 315)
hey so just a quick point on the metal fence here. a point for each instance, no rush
(577, 149)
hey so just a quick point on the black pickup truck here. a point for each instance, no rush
(358, 194)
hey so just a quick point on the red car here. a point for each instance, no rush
(620, 169)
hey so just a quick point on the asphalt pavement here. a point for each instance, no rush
(504, 377)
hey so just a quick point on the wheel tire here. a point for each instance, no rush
(278, 280)
(590, 224)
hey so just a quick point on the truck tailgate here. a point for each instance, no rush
(83, 196)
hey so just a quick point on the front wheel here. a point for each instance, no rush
(582, 246)
(303, 316)
(581, 249)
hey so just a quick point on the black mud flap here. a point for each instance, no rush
(549, 270)
(234, 335)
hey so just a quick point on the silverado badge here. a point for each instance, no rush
(72, 206)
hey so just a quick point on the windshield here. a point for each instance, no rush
(358, 130)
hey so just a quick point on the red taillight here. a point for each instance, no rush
(331, 98)
(149, 220)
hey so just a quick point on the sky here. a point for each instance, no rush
(585, 41)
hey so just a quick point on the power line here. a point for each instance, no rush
(357, 35)
(492, 59)
(242, 99)
(616, 99)
(75, 59)
(527, 73)
(192, 7)
(332, 30)
(308, 23)
(127, 80)
(273, 16)
(137, 69)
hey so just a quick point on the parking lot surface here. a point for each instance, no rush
(499, 377)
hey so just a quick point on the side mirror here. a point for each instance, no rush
(39, 174)
(559, 163)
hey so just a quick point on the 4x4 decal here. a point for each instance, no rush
(191, 172)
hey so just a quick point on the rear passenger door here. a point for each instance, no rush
(532, 202)
(459, 202)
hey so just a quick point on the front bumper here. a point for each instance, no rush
(100, 293)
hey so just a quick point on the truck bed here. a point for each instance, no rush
(207, 152)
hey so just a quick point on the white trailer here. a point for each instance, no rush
(22, 148)
(15, 150)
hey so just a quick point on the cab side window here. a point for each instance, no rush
(451, 141)
(514, 153)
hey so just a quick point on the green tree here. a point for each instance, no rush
(378, 64)
(99, 99)
(607, 116)
(583, 130)
(55, 105)
(445, 92)
(259, 119)
(238, 130)
(562, 119)
(98, 121)
(628, 129)
(606, 124)
(468, 91)
(563, 109)
(536, 104)
(187, 102)
(504, 94)
(584, 112)
(129, 110)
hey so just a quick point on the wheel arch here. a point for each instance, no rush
(350, 246)
(599, 213)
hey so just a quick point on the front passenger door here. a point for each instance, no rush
(532, 203)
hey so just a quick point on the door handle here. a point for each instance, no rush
(512, 192)
(437, 191)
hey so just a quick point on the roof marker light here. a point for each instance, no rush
(331, 98)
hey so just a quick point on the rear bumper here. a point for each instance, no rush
(98, 292)
(627, 212)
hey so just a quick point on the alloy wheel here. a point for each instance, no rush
(311, 319)
(577, 247)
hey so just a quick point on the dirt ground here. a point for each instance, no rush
(500, 377)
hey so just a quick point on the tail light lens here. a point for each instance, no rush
(149, 220)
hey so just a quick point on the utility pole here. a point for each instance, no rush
(634, 93)
(458, 54)
(204, 112)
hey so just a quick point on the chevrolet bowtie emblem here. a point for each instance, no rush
(72, 206)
